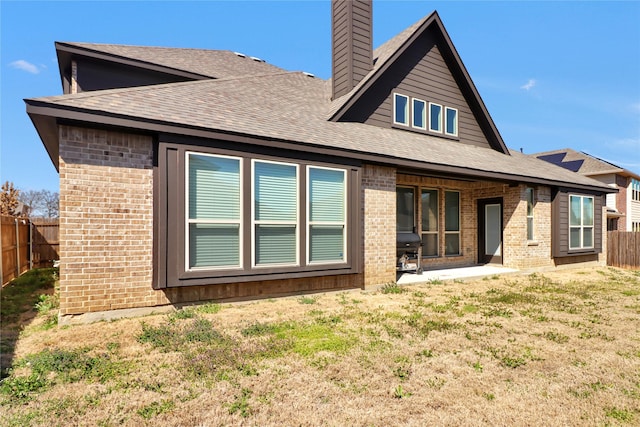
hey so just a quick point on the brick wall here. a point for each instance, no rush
(106, 220)
(518, 252)
(379, 224)
(106, 230)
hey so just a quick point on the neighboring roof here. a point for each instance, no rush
(201, 63)
(288, 110)
(385, 55)
(583, 163)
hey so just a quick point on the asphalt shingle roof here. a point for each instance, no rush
(209, 63)
(589, 165)
(292, 106)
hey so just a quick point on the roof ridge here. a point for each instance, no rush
(87, 44)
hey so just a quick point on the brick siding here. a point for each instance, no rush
(106, 220)
(379, 224)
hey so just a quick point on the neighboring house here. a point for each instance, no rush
(190, 175)
(623, 207)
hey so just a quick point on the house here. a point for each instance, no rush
(623, 207)
(190, 175)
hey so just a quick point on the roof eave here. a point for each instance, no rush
(46, 116)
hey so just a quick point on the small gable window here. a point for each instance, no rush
(435, 117)
(401, 109)
(451, 120)
(419, 114)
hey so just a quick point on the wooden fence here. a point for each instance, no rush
(623, 249)
(26, 244)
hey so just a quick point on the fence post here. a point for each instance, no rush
(17, 247)
(30, 244)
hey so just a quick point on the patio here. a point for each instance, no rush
(476, 271)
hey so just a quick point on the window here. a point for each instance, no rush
(275, 213)
(404, 210)
(327, 214)
(530, 196)
(401, 109)
(214, 212)
(635, 226)
(452, 222)
(419, 114)
(435, 117)
(429, 200)
(451, 121)
(581, 222)
(635, 189)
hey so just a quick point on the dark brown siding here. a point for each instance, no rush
(420, 73)
(169, 216)
(560, 224)
(99, 75)
(351, 43)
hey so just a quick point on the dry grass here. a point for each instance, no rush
(558, 349)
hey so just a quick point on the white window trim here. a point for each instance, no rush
(459, 232)
(582, 225)
(424, 113)
(446, 115)
(440, 122)
(190, 221)
(259, 222)
(532, 216)
(407, 109)
(343, 223)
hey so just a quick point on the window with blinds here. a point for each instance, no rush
(263, 216)
(327, 214)
(214, 211)
(275, 213)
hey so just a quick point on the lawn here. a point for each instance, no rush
(561, 348)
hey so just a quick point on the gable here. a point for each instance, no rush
(405, 60)
(421, 72)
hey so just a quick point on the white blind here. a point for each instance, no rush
(326, 195)
(214, 188)
(275, 192)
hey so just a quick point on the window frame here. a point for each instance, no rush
(530, 197)
(188, 221)
(255, 223)
(582, 226)
(452, 232)
(446, 121)
(407, 109)
(310, 223)
(440, 118)
(437, 222)
(424, 113)
(170, 213)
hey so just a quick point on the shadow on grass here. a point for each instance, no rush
(18, 308)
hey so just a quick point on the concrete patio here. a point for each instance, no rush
(477, 271)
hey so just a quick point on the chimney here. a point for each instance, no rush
(351, 43)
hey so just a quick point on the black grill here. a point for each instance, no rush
(408, 251)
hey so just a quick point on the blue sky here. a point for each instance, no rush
(552, 74)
